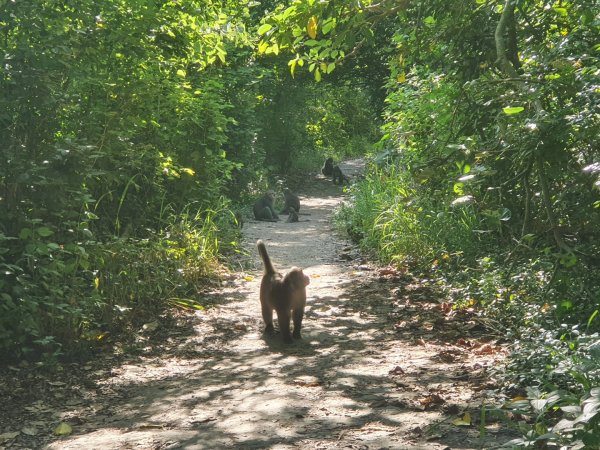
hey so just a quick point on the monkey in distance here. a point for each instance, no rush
(293, 217)
(291, 202)
(286, 295)
(327, 168)
(239, 219)
(263, 209)
(338, 176)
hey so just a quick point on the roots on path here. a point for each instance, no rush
(383, 364)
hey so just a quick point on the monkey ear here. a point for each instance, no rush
(306, 280)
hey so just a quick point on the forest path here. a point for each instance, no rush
(379, 366)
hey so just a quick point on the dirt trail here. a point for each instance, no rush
(365, 375)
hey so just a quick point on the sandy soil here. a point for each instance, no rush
(383, 364)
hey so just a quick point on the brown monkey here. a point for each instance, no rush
(338, 176)
(293, 217)
(291, 202)
(263, 209)
(284, 294)
(327, 168)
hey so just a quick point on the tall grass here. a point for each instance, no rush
(388, 212)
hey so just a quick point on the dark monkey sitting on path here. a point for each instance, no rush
(291, 202)
(338, 176)
(293, 217)
(263, 209)
(284, 294)
(327, 168)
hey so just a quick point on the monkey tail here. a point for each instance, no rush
(269, 269)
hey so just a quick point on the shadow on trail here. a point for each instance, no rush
(353, 381)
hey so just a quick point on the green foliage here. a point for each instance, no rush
(487, 170)
(114, 118)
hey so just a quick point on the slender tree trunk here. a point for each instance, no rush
(509, 70)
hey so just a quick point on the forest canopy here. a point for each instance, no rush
(133, 131)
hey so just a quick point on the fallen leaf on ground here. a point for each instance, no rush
(307, 381)
(63, 429)
(488, 349)
(463, 421)
(152, 326)
(464, 343)
(431, 400)
(29, 431)
(397, 371)
(149, 426)
(388, 271)
(204, 420)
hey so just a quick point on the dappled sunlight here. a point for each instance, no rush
(223, 384)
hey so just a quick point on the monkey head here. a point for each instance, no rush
(296, 279)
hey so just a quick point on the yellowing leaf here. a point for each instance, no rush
(401, 77)
(464, 421)
(518, 398)
(181, 73)
(248, 278)
(63, 429)
(311, 27)
(262, 47)
(317, 75)
(97, 283)
(513, 110)
(189, 171)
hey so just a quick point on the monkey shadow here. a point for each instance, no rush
(300, 347)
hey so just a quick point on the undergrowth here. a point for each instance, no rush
(544, 303)
(68, 298)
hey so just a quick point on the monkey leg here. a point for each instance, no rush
(273, 214)
(266, 213)
(267, 314)
(283, 316)
(298, 314)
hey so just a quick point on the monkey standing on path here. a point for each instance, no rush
(291, 202)
(284, 294)
(263, 209)
(327, 168)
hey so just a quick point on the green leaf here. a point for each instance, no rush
(561, 11)
(328, 26)
(509, 110)
(264, 28)
(44, 231)
(25, 233)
